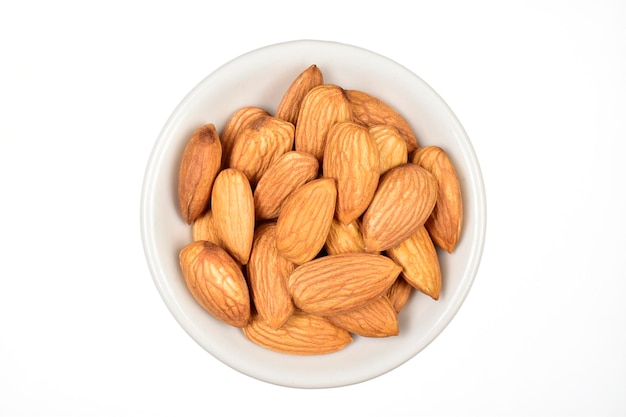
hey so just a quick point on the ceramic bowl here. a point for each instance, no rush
(260, 78)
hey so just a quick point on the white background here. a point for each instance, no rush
(85, 88)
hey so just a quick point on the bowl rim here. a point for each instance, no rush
(147, 214)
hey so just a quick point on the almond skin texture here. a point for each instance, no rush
(399, 293)
(444, 224)
(369, 111)
(289, 106)
(402, 203)
(203, 228)
(351, 158)
(288, 173)
(305, 220)
(267, 276)
(375, 319)
(391, 146)
(322, 107)
(215, 280)
(199, 166)
(420, 265)
(233, 213)
(344, 238)
(237, 122)
(302, 334)
(336, 284)
(258, 145)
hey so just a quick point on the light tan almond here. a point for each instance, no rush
(302, 334)
(289, 172)
(399, 293)
(403, 201)
(237, 122)
(369, 111)
(337, 284)
(322, 107)
(203, 228)
(216, 282)
(289, 106)
(305, 219)
(420, 265)
(263, 140)
(391, 146)
(233, 213)
(351, 158)
(199, 166)
(375, 319)
(344, 238)
(267, 276)
(444, 224)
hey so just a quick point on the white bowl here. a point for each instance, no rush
(260, 78)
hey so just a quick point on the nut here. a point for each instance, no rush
(402, 203)
(337, 284)
(391, 146)
(237, 122)
(199, 166)
(444, 224)
(289, 106)
(375, 319)
(399, 293)
(351, 158)
(203, 228)
(215, 280)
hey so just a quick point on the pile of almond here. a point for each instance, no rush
(316, 223)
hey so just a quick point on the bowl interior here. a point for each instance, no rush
(260, 78)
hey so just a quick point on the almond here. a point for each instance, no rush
(233, 212)
(391, 146)
(203, 228)
(289, 106)
(305, 219)
(289, 172)
(302, 334)
(199, 166)
(322, 107)
(237, 122)
(369, 111)
(351, 158)
(444, 224)
(216, 282)
(337, 284)
(267, 276)
(420, 265)
(403, 201)
(259, 144)
(375, 319)
(344, 238)
(399, 293)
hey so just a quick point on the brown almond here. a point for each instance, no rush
(233, 212)
(305, 219)
(344, 238)
(302, 334)
(391, 146)
(375, 319)
(369, 111)
(289, 172)
(444, 224)
(322, 107)
(420, 265)
(263, 141)
(267, 276)
(203, 228)
(399, 293)
(199, 166)
(289, 106)
(337, 284)
(236, 123)
(351, 158)
(216, 282)
(403, 201)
